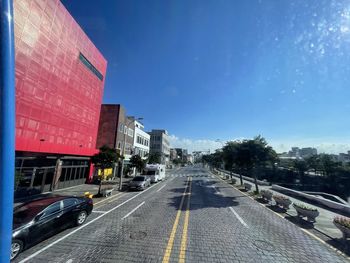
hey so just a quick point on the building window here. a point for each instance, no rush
(130, 132)
(119, 145)
(121, 127)
(125, 130)
(88, 64)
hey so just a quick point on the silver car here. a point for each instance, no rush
(139, 183)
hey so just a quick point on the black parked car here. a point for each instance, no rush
(41, 218)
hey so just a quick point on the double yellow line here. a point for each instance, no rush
(182, 254)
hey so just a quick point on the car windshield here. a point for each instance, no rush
(150, 172)
(139, 178)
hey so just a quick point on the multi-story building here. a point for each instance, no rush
(60, 77)
(141, 140)
(181, 154)
(115, 128)
(173, 154)
(307, 152)
(159, 143)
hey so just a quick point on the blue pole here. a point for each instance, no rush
(7, 126)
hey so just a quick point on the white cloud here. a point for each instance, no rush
(322, 146)
(194, 145)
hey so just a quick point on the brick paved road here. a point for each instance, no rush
(215, 223)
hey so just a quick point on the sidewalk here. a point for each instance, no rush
(324, 222)
(77, 190)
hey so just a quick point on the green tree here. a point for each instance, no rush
(105, 158)
(137, 162)
(253, 154)
(313, 162)
(154, 158)
(301, 167)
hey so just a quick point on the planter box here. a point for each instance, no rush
(310, 214)
(267, 195)
(345, 231)
(285, 203)
(247, 186)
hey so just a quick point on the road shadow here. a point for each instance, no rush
(202, 197)
(340, 244)
(276, 208)
(300, 222)
(262, 200)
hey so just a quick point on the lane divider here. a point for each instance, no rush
(183, 246)
(170, 244)
(132, 211)
(161, 188)
(238, 217)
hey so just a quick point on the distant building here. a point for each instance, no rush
(189, 158)
(307, 152)
(181, 154)
(114, 127)
(301, 152)
(159, 143)
(344, 157)
(173, 154)
(141, 140)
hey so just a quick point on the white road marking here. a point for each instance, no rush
(238, 217)
(108, 198)
(132, 211)
(88, 223)
(101, 212)
(161, 188)
(216, 190)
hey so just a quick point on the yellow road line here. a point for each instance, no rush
(169, 247)
(183, 246)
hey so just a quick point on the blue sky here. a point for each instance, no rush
(209, 69)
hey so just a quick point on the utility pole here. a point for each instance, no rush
(7, 124)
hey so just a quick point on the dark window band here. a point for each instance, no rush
(88, 64)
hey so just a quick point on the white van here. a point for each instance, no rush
(155, 171)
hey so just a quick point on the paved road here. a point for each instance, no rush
(190, 217)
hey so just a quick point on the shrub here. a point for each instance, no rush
(344, 221)
(305, 207)
(280, 197)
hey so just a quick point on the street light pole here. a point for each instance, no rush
(7, 124)
(123, 152)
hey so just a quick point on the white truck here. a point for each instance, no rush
(155, 171)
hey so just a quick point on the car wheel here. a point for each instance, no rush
(16, 248)
(81, 218)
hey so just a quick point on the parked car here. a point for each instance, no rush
(41, 218)
(139, 183)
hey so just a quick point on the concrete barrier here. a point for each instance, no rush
(317, 200)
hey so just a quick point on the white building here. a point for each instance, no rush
(141, 141)
(160, 144)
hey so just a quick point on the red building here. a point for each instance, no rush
(59, 87)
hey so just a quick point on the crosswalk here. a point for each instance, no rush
(191, 175)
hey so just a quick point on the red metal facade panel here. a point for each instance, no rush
(108, 127)
(58, 99)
